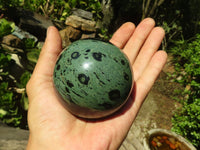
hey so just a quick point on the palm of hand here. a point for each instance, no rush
(53, 127)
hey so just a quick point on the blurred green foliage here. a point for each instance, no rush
(13, 98)
(8, 110)
(6, 27)
(186, 120)
(57, 10)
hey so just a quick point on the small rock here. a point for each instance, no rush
(20, 90)
(86, 36)
(80, 23)
(65, 39)
(16, 67)
(179, 78)
(23, 34)
(12, 41)
(11, 49)
(69, 34)
(74, 21)
(34, 23)
(17, 60)
(73, 33)
(82, 13)
(88, 26)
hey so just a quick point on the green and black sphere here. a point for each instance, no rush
(93, 77)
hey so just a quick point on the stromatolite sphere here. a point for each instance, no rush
(93, 77)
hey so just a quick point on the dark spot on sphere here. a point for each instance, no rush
(122, 62)
(126, 77)
(106, 105)
(115, 59)
(58, 67)
(75, 55)
(97, 56)
(88, 50)
(68, 97)
(68, 61)
(66, 89)
(77, 94)
(114, 95)
(69, 84)
(83, 79)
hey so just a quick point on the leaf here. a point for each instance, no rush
(24, 102)
(6, 27)
(73, 3)
(33, 55)
(2, 113)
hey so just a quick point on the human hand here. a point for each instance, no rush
(53, 127)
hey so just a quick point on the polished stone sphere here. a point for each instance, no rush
(93, 77)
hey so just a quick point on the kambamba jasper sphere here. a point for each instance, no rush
(93, 77)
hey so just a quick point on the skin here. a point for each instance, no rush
(53, 127)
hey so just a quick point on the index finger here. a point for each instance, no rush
(122, 35)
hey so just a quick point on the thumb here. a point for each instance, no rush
(49, 54)
(44, 68)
